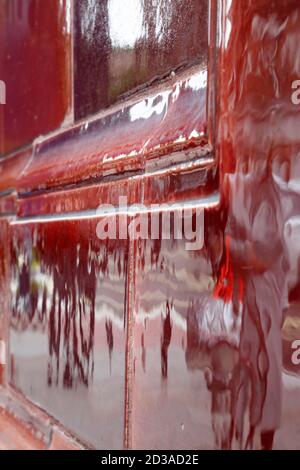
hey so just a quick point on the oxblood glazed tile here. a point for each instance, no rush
(35, 60)
(258, 149)
(172, 118)
(197, 377)
(76, 199)
(120, 46)
(197, 180)
(68, 326)
(169, 393)
(194, 377)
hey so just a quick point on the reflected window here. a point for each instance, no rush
(121, 46)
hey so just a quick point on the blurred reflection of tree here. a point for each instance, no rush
(66, 306)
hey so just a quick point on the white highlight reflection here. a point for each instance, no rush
(125, 22)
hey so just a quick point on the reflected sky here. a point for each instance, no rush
(125, 22)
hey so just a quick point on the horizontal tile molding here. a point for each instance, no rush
(119, 140)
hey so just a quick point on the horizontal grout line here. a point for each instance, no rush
(131, 210)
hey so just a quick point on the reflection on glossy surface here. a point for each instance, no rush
(126, 139)
(209, 361)
(169, 393)
(120, 45)
(67, 337)
(259, 145)
(35, 49)
(231, 381)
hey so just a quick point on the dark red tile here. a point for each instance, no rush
(68, 326)
(120, 46)
(171, 402)
(35, 64)
(148, 128)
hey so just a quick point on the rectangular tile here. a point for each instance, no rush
(68, 326)
(171, 402)
(121, 46)
(35, 64)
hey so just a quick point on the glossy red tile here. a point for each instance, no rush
(35, 64)
(121, 141)
(258, 149)
(156, 345)
(68, 326)
(120, 46)
(171, 401)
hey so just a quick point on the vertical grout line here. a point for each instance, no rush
(129, 354)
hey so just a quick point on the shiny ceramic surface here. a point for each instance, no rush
(120, 46)
(258, 147)
(169, 347)
(123, 140)
(169, 391)
(35, 64)
(126, 139)
(68, 326)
